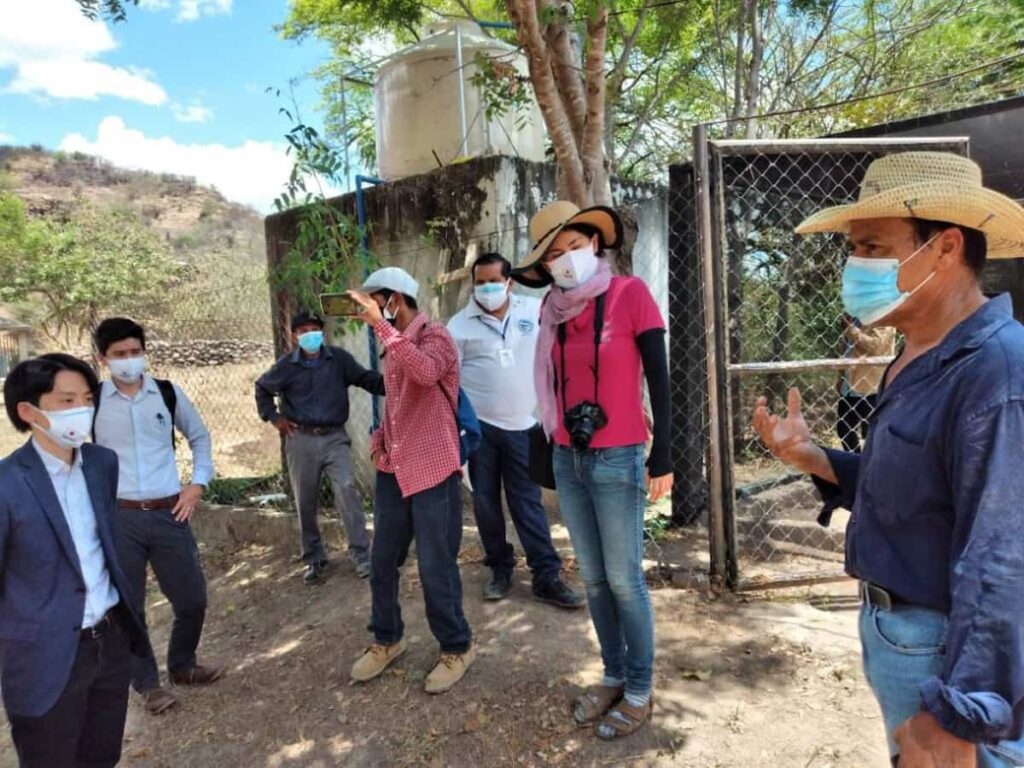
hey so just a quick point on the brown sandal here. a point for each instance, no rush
(595, 702)
(623, 720)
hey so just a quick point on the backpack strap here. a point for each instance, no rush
(170, 398)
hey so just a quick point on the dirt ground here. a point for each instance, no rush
(739, 681)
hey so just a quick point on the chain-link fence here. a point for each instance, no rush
(756, 310)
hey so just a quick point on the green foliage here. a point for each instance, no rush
(503, 89)
(325, 255)
(98, 262)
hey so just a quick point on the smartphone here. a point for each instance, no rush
(339, 305)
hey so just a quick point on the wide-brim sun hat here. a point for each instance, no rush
(552, 219)
(392, 279)
(937, 186)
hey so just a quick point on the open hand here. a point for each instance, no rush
(286, 427)
(371, 313)
(789, 438)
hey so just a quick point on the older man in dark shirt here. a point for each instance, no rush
(312, 384)
(937, 497)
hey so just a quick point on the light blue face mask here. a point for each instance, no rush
(311, 341)
(871, 288)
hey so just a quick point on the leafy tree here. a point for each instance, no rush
(72, 274)
(115, 10)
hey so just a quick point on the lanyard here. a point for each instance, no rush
(504, 326)
(598, 327)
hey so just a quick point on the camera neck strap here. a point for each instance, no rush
(598, 328)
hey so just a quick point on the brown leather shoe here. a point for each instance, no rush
(199, 675)
(158, 700)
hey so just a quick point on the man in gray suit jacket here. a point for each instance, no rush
(65, 623)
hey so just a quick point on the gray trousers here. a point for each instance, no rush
(310, 456)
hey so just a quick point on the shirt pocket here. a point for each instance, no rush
(904, 476)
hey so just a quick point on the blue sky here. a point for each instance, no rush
(180, 87)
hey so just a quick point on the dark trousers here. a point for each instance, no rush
(85, 727)
(155, 537)
(503, 459)
(852, 424)
(434, 518)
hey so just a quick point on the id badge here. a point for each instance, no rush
(505, 358)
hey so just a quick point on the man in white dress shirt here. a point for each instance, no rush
(136, 416)
(496, 334)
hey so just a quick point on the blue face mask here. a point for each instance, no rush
(311, 341)
(871, 288)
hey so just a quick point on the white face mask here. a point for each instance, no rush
(491, 296)
(68, 428)
(387, 313)
(573, 268)
(127, 369)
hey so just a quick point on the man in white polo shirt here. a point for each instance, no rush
(496, 335)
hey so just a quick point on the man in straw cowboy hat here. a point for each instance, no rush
(937, 497)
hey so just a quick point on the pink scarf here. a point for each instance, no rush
(560, 306)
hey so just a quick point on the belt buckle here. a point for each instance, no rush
(145, 506)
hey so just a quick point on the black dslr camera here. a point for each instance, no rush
(582, 421)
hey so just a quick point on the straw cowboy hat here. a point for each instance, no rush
(930, 185)
(552, 219)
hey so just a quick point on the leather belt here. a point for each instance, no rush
(312, 429)
(879, 596)
(148, 505)
(101, 627)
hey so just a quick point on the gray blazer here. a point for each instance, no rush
(42, 593)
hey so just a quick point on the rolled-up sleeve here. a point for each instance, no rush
(983, 681)
(191, 425)
(834, 495)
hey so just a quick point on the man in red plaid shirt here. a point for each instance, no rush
(418, 493)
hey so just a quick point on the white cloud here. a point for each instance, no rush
(66, 78)
(193, 113)
(253, 172)
(6, 138)
(189, 10)
(53, 49)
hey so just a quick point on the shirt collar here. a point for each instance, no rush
(55, 466)
(325, 353)
(976, 329)
(417, 325)
(148, 385)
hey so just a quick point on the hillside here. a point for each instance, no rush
(195, 221)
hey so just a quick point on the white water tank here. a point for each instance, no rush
(418, 112)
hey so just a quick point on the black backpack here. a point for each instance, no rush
(170, 398)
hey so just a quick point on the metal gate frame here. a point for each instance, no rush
(709, 203)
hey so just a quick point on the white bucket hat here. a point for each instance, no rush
(393, 279)
(930, 185)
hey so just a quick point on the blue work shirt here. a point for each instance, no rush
(314, 391)
(937, 502)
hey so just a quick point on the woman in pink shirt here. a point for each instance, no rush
(601, 335)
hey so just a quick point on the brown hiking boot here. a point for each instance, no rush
(450, 668)
(158, 700)
(375, 660)
(199, 675)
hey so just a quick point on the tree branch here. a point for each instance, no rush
(567, 73)
(594, 169)
(524, 17)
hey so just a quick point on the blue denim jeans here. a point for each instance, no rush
(502, 460)
(601, 495)
(901, 649)
(434, 518)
